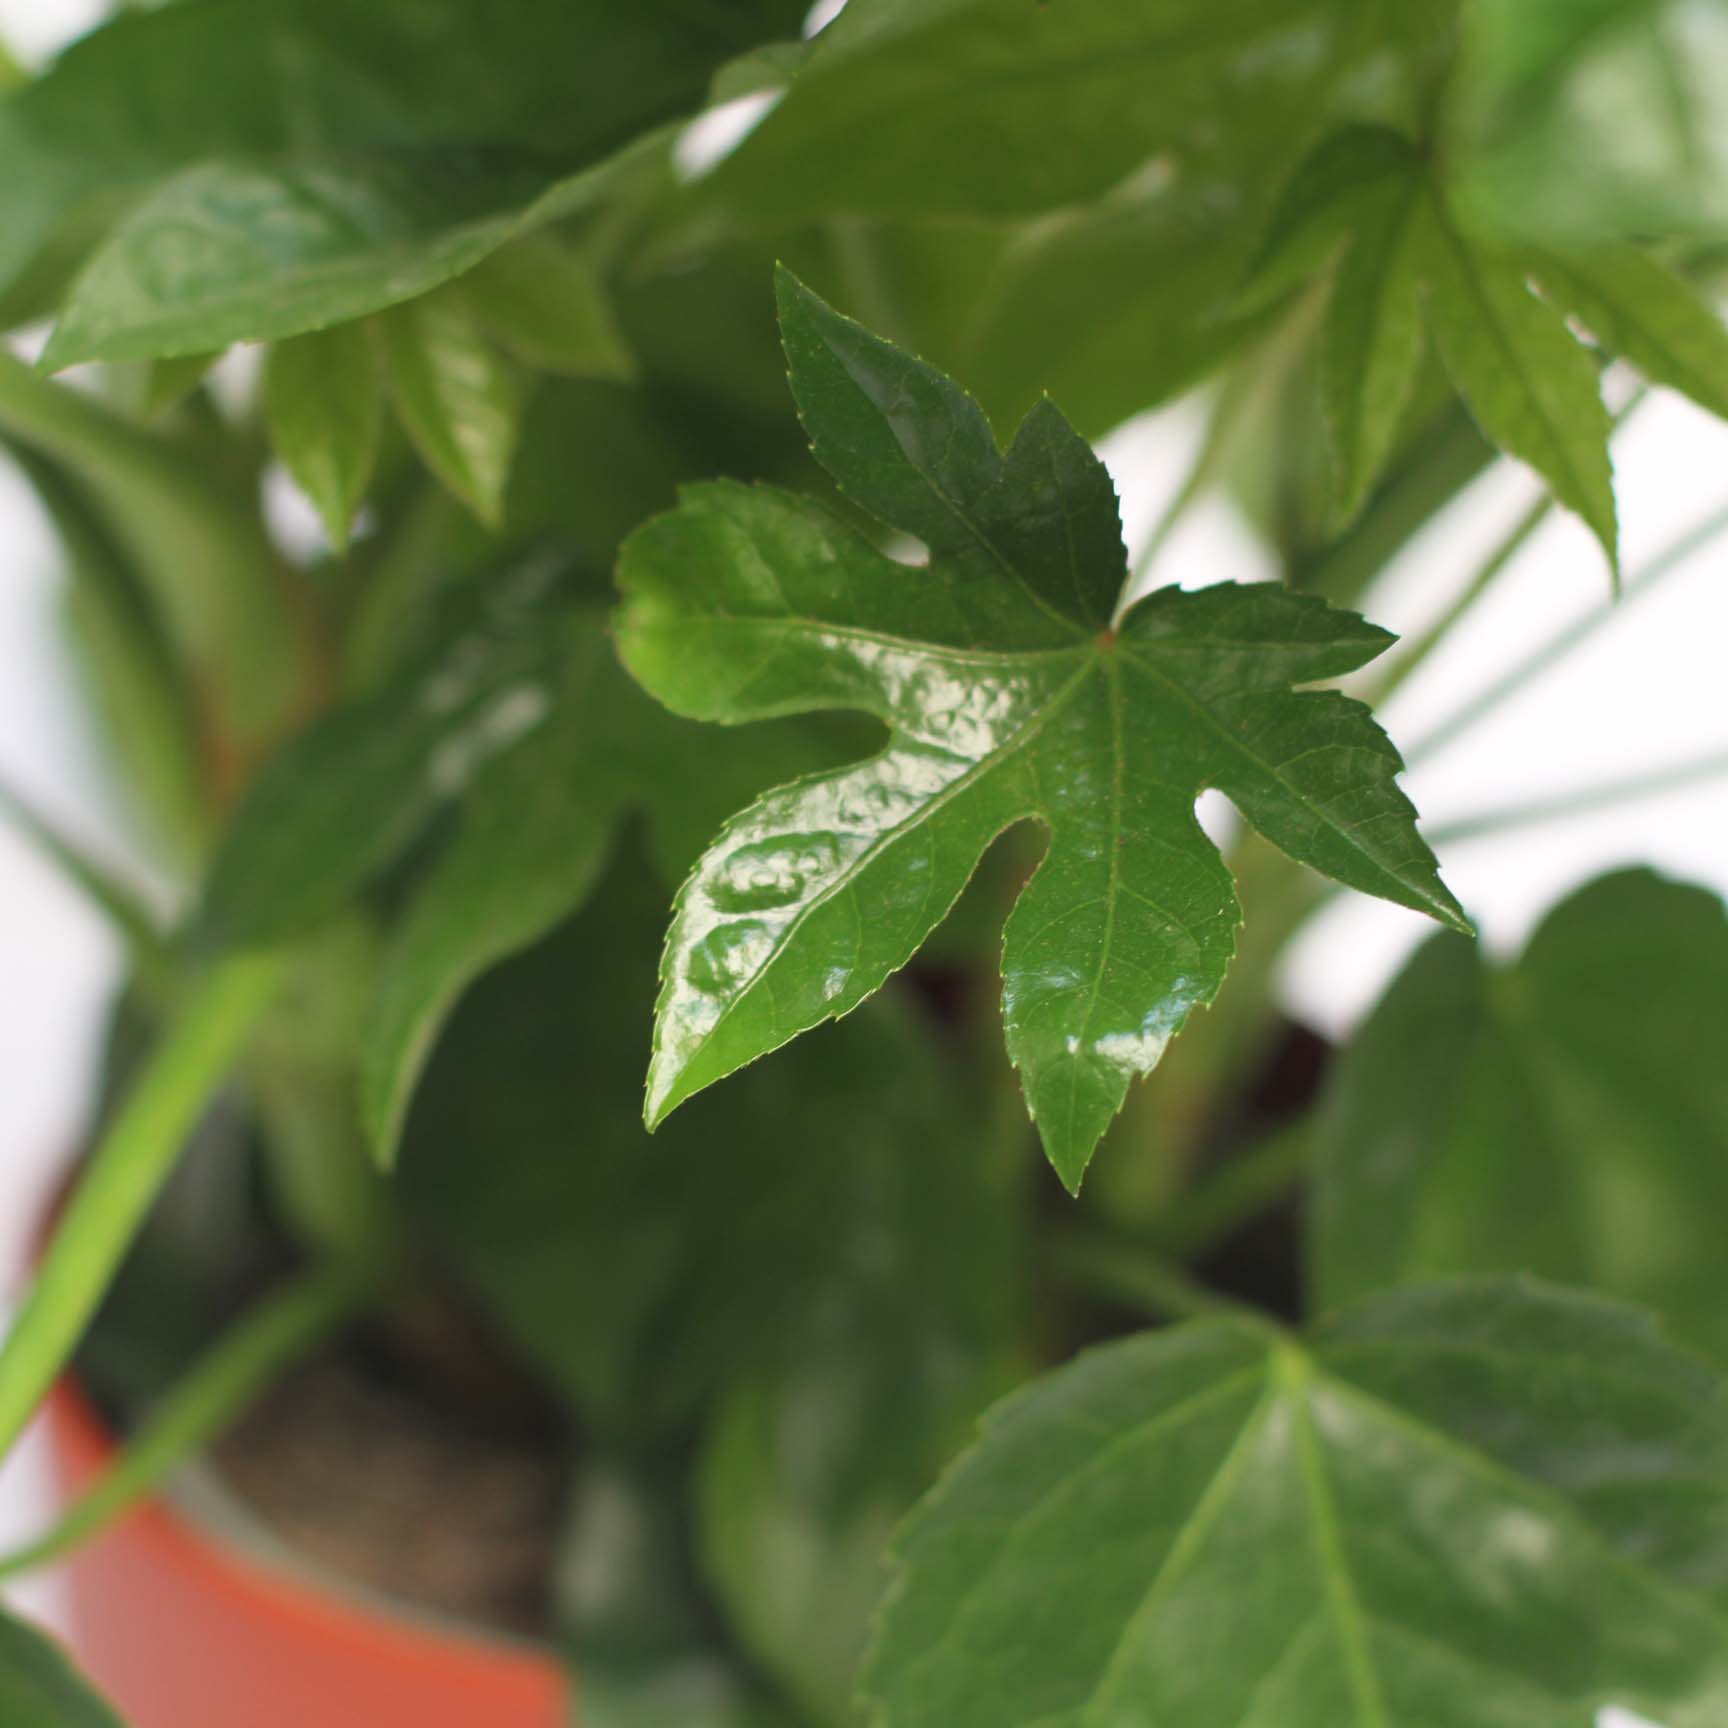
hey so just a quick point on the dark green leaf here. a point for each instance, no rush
(536, 831)
(1596, 118)
(548, 304)
(643, 1274)
(307, 162)
(39, 1688)
(1558, 1115)
(1472, 1506)
(326, 414)
(341, 802)
(1638, 308)
(1009, 697)
(459, 400)
(1532, 387)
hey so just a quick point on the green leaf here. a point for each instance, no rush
(342, 801)
(458, 399)
(1009, 697)
(1472, 1506)
(901, 107)
(1371, 348)
(643, 1275)
(1595, 119)
(169, 382)
(536, 830)
(301, 163)
(1638, 308)
(39, 1688)
(1552, 1114)
(547, 302)
(1531, 386)
(325, 408)
(814, 1458)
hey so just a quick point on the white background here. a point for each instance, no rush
(1648, 692)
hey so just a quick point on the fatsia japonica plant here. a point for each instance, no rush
(680, 940)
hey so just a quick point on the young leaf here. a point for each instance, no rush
(1638, 308)
(1532, 387)
(39, 1688)
(1553, 1115)
(1435, 1513)
(547, 303)
(1371, 347)
(1009, 697)
(458, 399)
(325, 408)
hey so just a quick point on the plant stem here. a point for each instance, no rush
(272, 1336)
(1128, 1273)
(1563, 642)
(1248, 1185)
(130, 1164)
(1604, 796)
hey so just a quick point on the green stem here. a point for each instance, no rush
(123, 1177)
(131, 919)
(1127, 1273)
(270, 1338)
(1563, 642)
(1604, 796)
(1418, 649)
(1241, 1191)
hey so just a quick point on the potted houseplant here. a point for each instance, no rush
(638, 598)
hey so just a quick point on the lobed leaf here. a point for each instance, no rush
(1438, 1511)
(1553, 1115)
(1008, 696)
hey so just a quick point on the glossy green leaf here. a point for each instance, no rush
(1531, 386)
(1557, 1115)
(643, 1275)
(1009, 697)
(547, 302)
(325, 407)
(1470, 1506)
(303, 162)
(341, 802)
(458, 398)
(39, 1688)
(1638, 308)
(1596, 118)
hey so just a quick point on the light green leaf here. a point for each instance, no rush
(1638, 308)
(39, 1688)
(1553, 1115)
(459, 400)
(1371, 348)
(169, 382)
(1009, 697)
(1531, 386)
(1471, 1506)
(547, 303)
(325, 408)
(1596, 119)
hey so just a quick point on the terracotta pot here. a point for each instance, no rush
(183, 1629)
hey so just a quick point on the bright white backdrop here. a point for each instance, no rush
(1647, 692)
